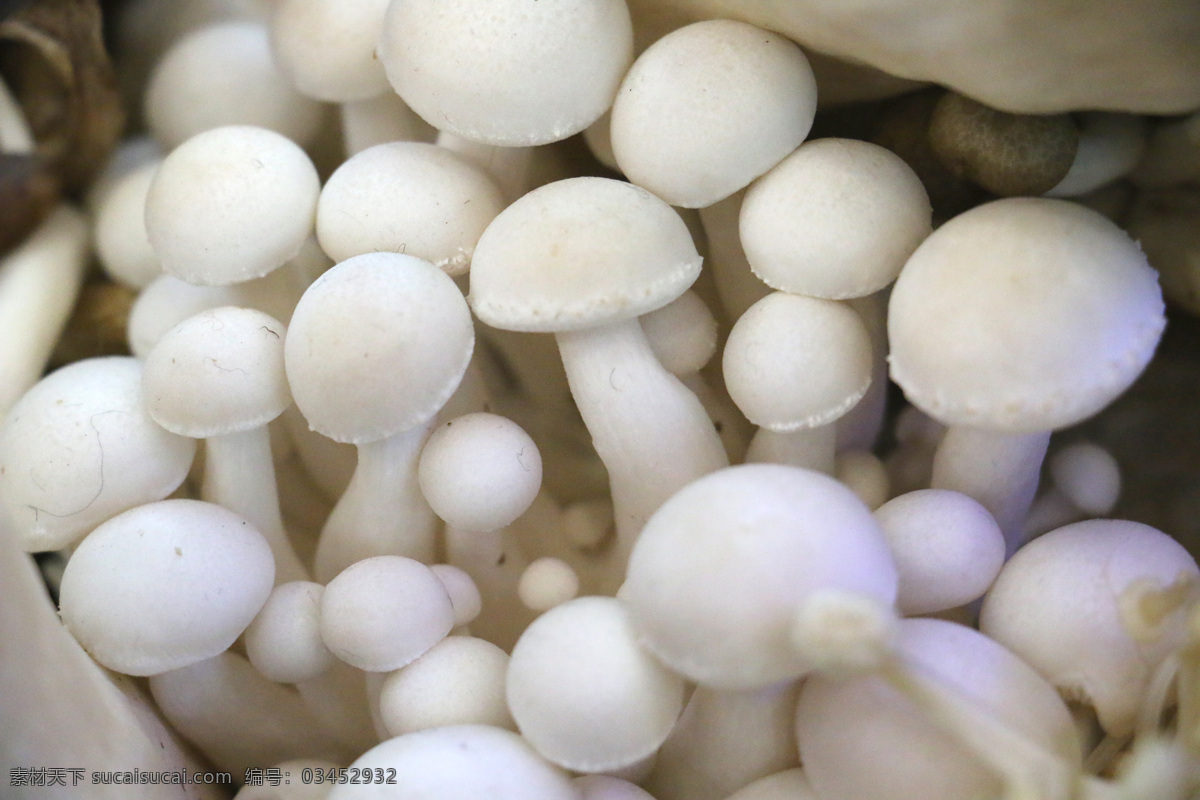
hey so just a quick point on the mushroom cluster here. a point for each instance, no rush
(345, 515)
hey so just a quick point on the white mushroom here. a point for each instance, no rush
(327, 49)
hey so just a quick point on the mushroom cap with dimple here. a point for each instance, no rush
(793, 362)
(513, 73)
(376, 346)
(721, 569)
(218, 372)
(165, 585)
(581, 253)
(231, 204)
(1023, 315)
(835, 219)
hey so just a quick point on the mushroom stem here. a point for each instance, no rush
(240, 475)
(495, 561)
(508, 166)
(382, 511)
(650, 431)
(999, 470)
(810, 448)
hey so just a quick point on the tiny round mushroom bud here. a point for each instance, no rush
(1078, 605)
(80, 448)
(722, 569)
(231, 204)
(507, 72)
(223, 74)
(463, 593)
(460, 761)
(835, 219)
(459, 681)
(708, 108)
(407, 197)
(382, 613)
(284, 640)
(1088, 475)
(480, 472)
(327, 48)
(865, 475)
(587, 524)
(1007, 154)
(165, 585)
(546, 583)
(122, 244)
(683, 334)
(947, 548)
(584, 694)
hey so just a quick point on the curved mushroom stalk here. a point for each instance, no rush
(382, 511)
(652, 433)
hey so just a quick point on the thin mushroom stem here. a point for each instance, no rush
(810, 448)
(999, 470)
(382, 511)
(240, 475)
(650, 431)
(508, 166)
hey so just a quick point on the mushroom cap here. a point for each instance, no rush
(547, 582)
(682, 334)
(1088, 475)
(407, 197)
(167, 301)
(284, 640)
(1057, 604)
(480, 471)
(835, 219)
(708, 108)
(581, 253)
(218, 372)
(507, 72)
(859, 737)
(721, 569)
(79, 448)
(382, 613)
(1023, 315)
(327, 47)
(459, 761)
(948, 549)
(463, 593)
(231, 204)
(376, 346)
(119, 229)
(165, 585)
(584, 694)
(460, 681)
(794, 362)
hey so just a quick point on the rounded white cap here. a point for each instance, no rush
(79, 448)
(119, 229)
(327, 47)
(165, 585)
(794, 362)
(584, 694)
(682, 334)
(1023, 315)
(708, 108)
(721, 569)
(459, 681)
(480, 471)
(947, 547)
(507, 72)
(223, 74)
(1058, 604)
(231, 204)
(376, 346)
(546, 583)
(836, 219)
(463, 593)
(580, 253)
(284, 640)
(460, 761)
(1088, 475)
(167, 301)
(218, 372)
(407, 197)
(382, 613)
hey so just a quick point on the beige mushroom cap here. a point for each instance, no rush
(1023, 315)
(580, 253)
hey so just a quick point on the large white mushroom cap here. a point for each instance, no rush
(721, 570)
(580, 253)
(507, 72)
(231, 204)
(165, 585)
(1023, 315)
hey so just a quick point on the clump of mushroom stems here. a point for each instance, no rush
(686, 678)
